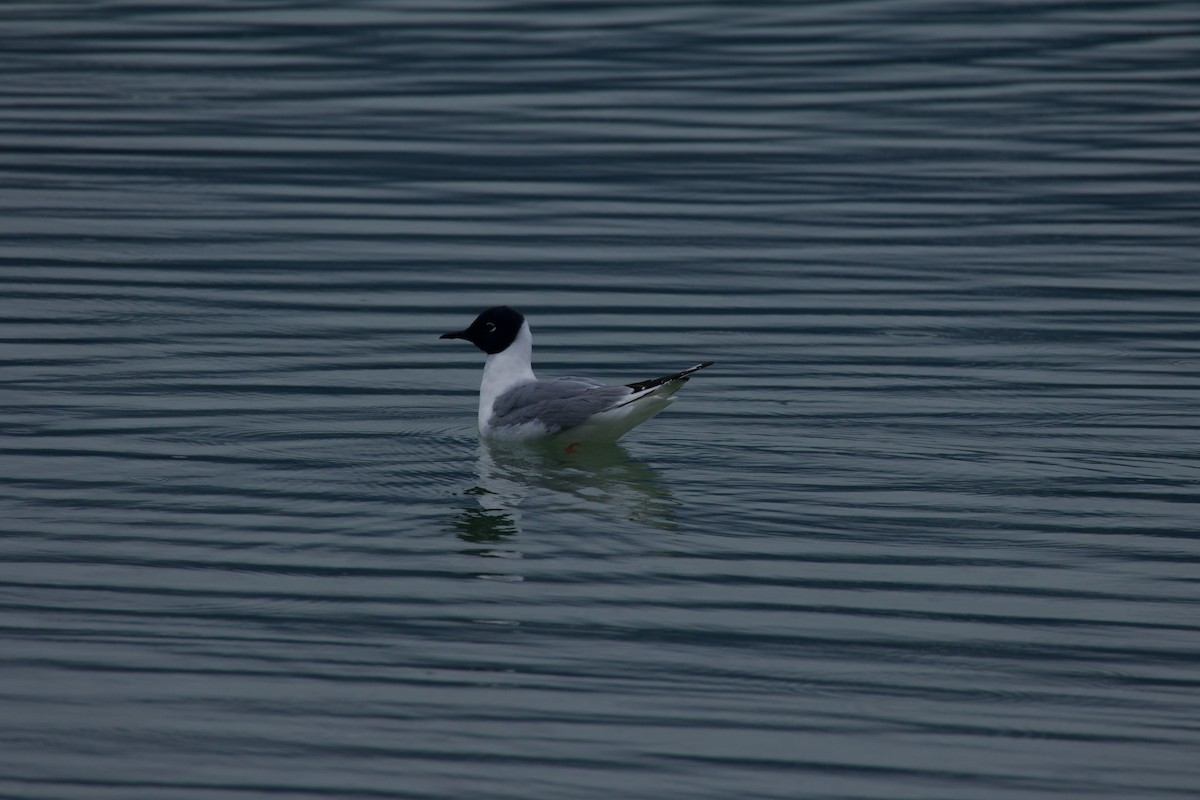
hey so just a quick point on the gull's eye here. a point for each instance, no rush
(491, 327)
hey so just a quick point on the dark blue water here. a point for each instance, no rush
(928, 529)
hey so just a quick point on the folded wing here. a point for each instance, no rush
(556, 404)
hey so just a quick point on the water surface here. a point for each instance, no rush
(926, 530)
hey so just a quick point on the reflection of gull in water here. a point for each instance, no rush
(603, 480)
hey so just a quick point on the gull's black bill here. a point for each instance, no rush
(455, 335)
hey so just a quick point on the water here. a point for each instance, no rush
(926, 530)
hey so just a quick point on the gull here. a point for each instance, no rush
(515, 405)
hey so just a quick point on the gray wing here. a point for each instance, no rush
(558, 404)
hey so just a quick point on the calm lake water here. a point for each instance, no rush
(927, 530)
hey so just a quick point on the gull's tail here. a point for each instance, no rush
(645, 399)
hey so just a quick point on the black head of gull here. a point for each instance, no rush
(492, 331)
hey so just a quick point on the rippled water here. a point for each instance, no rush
(926, 530)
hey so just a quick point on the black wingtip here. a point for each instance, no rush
(678, 376)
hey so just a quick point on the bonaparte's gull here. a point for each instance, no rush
(514, 404)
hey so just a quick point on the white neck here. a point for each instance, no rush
(504, 370)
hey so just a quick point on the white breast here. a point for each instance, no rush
(503, 371)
